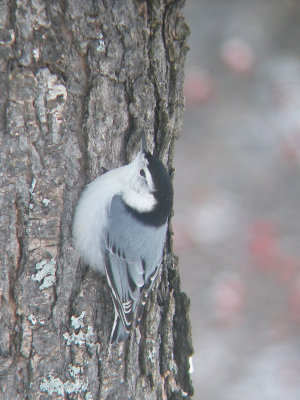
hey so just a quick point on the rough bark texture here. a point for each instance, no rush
(79, 80)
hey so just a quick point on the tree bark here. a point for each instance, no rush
(79, 81)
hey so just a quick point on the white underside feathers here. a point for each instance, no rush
(90, 218)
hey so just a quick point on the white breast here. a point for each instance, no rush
(90, 219)
(140, 201)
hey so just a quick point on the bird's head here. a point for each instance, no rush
(149, 188)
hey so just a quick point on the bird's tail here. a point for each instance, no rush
(118, 332)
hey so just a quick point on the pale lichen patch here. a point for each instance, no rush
(45, 202)
(34, 320)
(81, 337)
(32, 187)
(77, 322)
(51, 102)
(31, 318)
(36, 53)
(100, 43)
(76, 383)
(52, 385)
(46, 273)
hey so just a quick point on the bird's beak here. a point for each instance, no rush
(144, 148)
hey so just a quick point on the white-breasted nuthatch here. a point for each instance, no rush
(120, 226)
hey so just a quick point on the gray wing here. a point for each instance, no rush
(132, 256)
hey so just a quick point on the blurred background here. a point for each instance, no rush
(237, 198)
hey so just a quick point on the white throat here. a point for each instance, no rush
(141, 202)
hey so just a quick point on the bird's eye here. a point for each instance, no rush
(142, 173)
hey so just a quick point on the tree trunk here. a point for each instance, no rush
(79, 82)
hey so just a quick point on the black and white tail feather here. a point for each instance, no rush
(119, 228)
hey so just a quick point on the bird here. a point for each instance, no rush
(119, 229)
